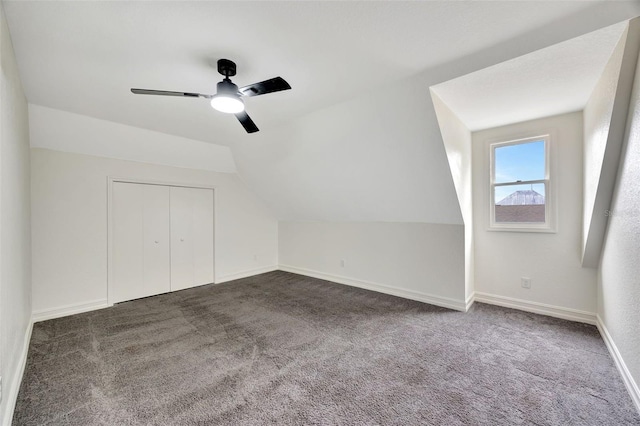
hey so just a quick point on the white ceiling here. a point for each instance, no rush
(329, 149)
(84, 56)
(550, 81)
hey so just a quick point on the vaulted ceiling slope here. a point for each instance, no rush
(380, 157)
(550, 81)
(356, 139)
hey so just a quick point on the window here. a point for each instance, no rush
(520, 185)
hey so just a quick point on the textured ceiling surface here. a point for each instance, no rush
(357, 139)
(84, 56)
(550, 81)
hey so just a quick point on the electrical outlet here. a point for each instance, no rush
(525, 282)
(343, 263)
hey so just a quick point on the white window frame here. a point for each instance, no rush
(549, 214)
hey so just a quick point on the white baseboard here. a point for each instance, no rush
(93, 305)
(469, 301)
(537, 308)
(445, 302)
(64, 311)
(245, 274)
(632, 386)
(14, 387)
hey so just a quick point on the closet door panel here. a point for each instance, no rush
(203, 237)
(191, 237)
(140, 241)
(128, 242)
(181, 238)
(162, 239)
(157, 246)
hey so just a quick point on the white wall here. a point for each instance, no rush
(65, 131)
(457, 142)
(374, 179)
(618, 282)
(604, 124)
(419, 261)
(362, 160)
(69, 225)
(379, 156)
(551, 260)
(15, 240)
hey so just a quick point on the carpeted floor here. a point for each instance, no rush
(283, 349)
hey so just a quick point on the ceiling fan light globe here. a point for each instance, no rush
(228, 104)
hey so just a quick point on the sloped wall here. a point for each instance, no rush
(375, 158)
(618, 284)
(604, 124)
(379, 156)
(68, 132)
(457, 142)
(366, 181)
(15, 238)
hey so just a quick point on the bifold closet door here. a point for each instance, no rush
(191, 237)
(141, 240)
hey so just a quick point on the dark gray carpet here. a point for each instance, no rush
(283, 349)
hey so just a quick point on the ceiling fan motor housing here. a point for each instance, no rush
(227, 87)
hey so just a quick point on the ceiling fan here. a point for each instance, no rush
(228, 99)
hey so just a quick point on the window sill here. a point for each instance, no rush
(535, 230)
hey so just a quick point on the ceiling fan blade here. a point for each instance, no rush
(167, 93)
(268, 86)
(247, 122)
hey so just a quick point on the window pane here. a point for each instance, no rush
(522, 162)
(520, 203)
